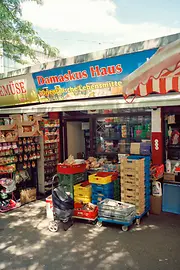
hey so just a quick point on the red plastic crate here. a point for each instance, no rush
(71, 169)
(89, 214)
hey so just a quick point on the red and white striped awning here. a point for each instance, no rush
(160, 74)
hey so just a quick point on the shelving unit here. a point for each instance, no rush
(115, 134)
(50, 152)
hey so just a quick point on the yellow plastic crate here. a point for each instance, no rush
(82, 199)
(82, 194)
(82, 189)
(101, 180)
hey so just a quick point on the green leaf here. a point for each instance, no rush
(17, 35)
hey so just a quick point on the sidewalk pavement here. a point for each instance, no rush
(26, 243)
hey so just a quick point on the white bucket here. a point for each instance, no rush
(49, 207)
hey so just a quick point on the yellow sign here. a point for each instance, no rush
(17, 91)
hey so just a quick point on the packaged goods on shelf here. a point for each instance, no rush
(7, 168)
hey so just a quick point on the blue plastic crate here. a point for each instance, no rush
(102, 188)
(146, 158)
(104, 193)
(100, 197)
(171, 198)
(94, 202)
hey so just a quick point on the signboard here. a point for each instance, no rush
(18, 90)
(98, 78)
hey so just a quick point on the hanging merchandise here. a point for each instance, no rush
(175, 137)
(156, 189)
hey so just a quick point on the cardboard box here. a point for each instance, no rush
(28, 195)
(135, 148)
(156, 205)
(169, 176)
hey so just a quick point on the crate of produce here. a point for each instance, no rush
(85, 211)
(103, 177)
(71, 169)
(71, 179)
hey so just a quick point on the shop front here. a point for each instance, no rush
(83, 112)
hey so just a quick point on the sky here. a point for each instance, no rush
(81, 26)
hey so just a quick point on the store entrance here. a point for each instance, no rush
(75, 139)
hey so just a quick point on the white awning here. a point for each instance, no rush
(161, 74)
(172, 99)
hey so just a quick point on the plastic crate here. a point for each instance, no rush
(117, 208)
(83, 189)
(82, 199)
(69, 189)
(71, 179)
(101, 197)
(103, 178)
(102, 188)
(79, 211)
(71, 169)
(147, 159)
(171, 198)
